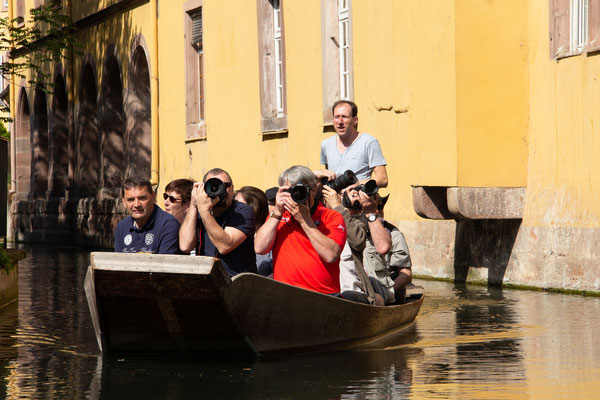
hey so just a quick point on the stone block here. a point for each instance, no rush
(486, 203)
(430, 202)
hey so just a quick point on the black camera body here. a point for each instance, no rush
(341, 182)
(370, 188)
(299, 192)
(215, 188)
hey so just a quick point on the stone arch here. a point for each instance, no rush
(87, 170)
(39, 145)
(23, 145)
(138, 139)
(112, 125)
(59, 138)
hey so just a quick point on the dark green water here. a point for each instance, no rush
(468, 343)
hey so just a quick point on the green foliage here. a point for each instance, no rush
(6, 262)
(3, 131)
(36, 43)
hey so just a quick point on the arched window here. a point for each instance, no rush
(139, 124)
(87, 170)
(59, 139)
(23, 146)
(112, 127)
(39, 145)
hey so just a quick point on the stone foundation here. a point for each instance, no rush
(9, 277)
(86, 222)
(505, 252)
(493, 251)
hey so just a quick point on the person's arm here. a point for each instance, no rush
(225, 240)
(325, 173)
(169, 238)
(380, 176)
(265, 237)
(377, 162)
(382, 239)
(356, 229)
(403, 279)
(189, 228)
(327, 249)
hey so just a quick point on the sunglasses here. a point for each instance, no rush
(172, 199)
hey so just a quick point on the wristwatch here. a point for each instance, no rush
(371, 217)
(274, 215)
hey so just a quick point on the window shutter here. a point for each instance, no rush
(197, 28)
(559, 28)
(593, 25)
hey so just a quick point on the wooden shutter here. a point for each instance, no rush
(196, 17)
(559, 28)
(593, 25)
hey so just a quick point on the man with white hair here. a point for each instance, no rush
(306, 238)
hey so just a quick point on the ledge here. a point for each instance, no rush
(440, 202)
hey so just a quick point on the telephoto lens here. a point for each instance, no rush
(299, 192)
(343, 181)
(214, 187)
(370, 188)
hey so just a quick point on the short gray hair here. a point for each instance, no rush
(296, 174)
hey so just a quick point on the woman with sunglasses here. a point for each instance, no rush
(177, 197)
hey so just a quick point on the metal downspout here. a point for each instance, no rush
(13, 142)
(154, 96)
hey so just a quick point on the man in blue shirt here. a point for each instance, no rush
(350, 149)
(220, 227)
(147, 229)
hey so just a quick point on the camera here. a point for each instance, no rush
(299, 192)
(214, 187)
(341, 182)
(370, 188)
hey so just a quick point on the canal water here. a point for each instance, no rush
(469, 342)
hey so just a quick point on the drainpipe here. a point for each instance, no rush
(13, 142)
(154, 179)
(70, 72)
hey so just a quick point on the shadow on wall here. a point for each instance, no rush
(485, 243)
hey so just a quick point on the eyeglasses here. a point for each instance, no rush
(173, 199)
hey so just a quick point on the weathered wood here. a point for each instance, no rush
(157, 303)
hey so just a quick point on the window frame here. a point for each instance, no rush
(334, 77)
(195, 73)
(567, 38)
(272, 66)
(578, 26)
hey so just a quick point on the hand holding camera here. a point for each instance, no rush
(209, 194)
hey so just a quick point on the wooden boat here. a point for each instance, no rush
(169, 303)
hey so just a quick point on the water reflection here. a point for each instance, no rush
(469, 342)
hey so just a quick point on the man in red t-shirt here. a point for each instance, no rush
(306, 237)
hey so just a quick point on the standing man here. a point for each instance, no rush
(350, 149)
(147, 229)
(220, 227)
(306, 237)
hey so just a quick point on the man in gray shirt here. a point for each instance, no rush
(350, 149)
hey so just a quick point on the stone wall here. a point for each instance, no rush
(505, 252)
(87, 222)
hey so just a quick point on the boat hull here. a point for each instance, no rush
(164, 303)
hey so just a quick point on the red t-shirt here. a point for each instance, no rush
(295, 260)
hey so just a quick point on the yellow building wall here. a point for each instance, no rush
(492, 92)
(234, 140)
(404, 85)
(563, 186)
